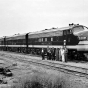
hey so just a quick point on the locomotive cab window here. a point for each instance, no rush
(77, 29)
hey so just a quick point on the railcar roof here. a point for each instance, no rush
(42, 31)
(1, 38)
(15, 35)
(18, 36)
(51, 30)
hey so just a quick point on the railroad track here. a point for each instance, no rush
(60, 67)
(53, 65)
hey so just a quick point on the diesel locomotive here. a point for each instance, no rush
(75, 35)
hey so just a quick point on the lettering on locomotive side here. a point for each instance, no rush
(82, 38)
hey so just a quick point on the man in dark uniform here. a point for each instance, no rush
(66, 54)
(57, 54)
(60, 57)
(53, 54)
(49, 54)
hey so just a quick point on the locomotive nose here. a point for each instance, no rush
(74, 40)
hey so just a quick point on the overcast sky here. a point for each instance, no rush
(22, 16)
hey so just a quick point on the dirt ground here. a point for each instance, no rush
(23, 72)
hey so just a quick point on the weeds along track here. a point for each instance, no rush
(63, 67)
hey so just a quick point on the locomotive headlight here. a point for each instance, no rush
(82, 38)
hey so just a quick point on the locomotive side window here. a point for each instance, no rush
(67, 32)
(64, 32)
(36, 39)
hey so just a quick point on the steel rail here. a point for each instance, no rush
(56, 66)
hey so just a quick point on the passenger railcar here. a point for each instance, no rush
(76, 37)
(2, 43)
(14, 43)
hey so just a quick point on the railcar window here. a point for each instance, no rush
(60, 38)
(46, 39)
(42, 39)
(51, 39)
(77, 29)
(57, 38)
(54, 38)
(24, 42)
(29, 41)
(36, 39)
(0, 43)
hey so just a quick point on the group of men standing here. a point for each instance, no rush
(58, 54)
